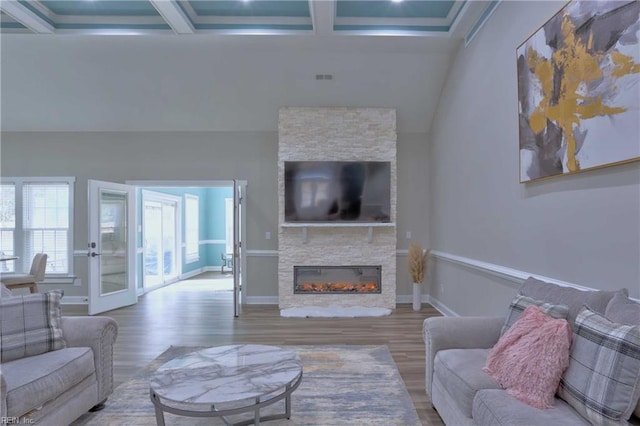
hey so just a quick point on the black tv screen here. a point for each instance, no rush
(337, 191)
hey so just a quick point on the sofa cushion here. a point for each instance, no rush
(520, 303)
(623, 310)
(496, 407)
(530, 358)
(572, 297)
(603, 379)
(32, 381)
(30, 325)
(460, 372)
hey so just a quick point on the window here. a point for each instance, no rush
(192, 227)
(7, 225)
(36, 216)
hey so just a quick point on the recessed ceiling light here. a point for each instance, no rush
(396, 1)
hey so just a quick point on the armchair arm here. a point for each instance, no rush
(442, 333)
(3, 396)
(98, 333)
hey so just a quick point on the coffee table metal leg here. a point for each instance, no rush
(256, 420)
(159, 417)
(287, 403)
(159, 412)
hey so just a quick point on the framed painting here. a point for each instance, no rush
(579, 90)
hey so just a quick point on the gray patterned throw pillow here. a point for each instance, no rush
(30, 325)
(602, 382)
(520, 303)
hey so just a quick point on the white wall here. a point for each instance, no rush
(582, 229)
(122, 156)
(212, 83)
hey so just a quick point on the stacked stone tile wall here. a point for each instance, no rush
(337, 134)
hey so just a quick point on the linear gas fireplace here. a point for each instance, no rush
(336, 279)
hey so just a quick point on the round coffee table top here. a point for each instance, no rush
(226, 374)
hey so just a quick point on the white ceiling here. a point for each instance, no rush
(207, 82)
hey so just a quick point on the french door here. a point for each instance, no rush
(160, 219)
(111, 248)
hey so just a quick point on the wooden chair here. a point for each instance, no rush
(35, 275)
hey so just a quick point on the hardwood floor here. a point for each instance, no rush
(188, 313)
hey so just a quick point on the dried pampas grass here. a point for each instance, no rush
(417, 262)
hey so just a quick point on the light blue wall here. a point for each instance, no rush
(216, 223)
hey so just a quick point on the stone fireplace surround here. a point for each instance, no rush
(337, 134)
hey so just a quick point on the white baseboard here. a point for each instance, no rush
(408, 298)
(262, 300)
(274, 253)
(186, 275)
(74, 300)
(441, 307)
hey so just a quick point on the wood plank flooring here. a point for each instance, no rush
(189, 313)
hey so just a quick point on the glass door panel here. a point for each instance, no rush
(160, 232)
(113, 238)
(169, 241)
(152, 243)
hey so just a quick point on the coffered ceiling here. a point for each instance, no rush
(249, 17)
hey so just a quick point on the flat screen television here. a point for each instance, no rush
(337, 191)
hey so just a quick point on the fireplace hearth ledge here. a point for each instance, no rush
(334, 312)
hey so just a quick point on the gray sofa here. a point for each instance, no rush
(57, 386)
(457, 349)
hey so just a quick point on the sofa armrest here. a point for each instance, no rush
(99, 334)
(442, 333)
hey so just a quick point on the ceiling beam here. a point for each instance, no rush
(175, 17)
(26, 17)
(323, 13)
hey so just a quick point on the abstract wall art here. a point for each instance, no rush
(579, 90)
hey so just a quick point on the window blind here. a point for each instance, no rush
(46, 224)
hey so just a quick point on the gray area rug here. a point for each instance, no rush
(345, 384)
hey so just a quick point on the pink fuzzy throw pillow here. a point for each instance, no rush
(531, 356)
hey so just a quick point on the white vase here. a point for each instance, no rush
(417, 296)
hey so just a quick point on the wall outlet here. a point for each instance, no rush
(267, 235)
(408, 235)
(441, 288)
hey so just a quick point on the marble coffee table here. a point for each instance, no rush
(226, 380)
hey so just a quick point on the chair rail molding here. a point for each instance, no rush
(509, 274)
(262, 253)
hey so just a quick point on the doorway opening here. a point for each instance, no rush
(189, 236)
